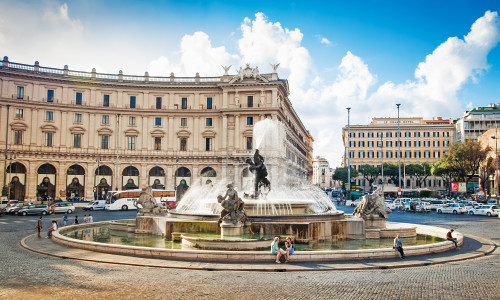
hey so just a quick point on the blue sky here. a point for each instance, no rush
(364, 54)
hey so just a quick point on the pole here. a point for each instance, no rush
(4, 190)
(348, 154)
(98, 159)
(399, 154)
(496, 161)
(382, 156)
(117, 146)
(227, 144)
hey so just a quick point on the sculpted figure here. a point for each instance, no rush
(147, 203)
(372, 205)
(233, 207)
(259, 169)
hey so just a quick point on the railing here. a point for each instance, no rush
(5, 64)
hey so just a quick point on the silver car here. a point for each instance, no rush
(14, 209)
(34, 210)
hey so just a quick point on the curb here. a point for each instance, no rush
(487, 247)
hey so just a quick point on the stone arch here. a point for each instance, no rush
(16, 173)
(157, 177)
(75, 182)
(46, 182)
(103, 180)
(130, 178)
(208, 176)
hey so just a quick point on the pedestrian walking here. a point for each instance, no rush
(76, 222)
(39, 226)
(65, 219)
(449, 237)
(398, 245)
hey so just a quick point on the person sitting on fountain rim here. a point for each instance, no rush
(289, 248)
(449, 237)
(398, 245)
(276, 250)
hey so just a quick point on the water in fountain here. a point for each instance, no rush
(289, 184)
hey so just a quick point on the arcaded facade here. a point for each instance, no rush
(79, 134)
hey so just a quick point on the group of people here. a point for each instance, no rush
(398, 243)
(275, 249)
(55, 225)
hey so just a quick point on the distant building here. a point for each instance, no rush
(322, 175)
(491, 138)
(422, 141)
(476, 121)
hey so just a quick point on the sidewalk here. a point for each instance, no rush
(473, 247)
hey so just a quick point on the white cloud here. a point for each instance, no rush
(325, 41)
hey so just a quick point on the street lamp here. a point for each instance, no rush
(348, 154)
(399, 154)
(12, 157)
(4, 189)
(382, 157)
(98, 160)
(117, 149)
(496, 161)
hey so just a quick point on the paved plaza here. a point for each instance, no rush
(29, 275)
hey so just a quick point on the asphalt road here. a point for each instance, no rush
(28, 275)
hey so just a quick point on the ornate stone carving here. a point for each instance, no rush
(372, 205)
(226, 69)
(233, 211)
(258, 167)
(248, 72)
(148, 205)
(275, 67)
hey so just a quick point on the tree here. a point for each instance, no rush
(419, 171)
(392, 171)
(485, 171)
(341, 174)
(465, 158)
(370, 173)
(442, 169)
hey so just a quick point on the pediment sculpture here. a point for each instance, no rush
(252, 73)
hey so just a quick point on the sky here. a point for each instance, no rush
(435, 58)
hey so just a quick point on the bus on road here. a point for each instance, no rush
(124, 200)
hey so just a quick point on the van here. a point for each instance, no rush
(95, 205)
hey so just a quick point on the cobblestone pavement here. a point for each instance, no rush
(28, 275)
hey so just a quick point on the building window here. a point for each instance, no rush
(427, 154)
(158, 121)
(361, 154)
(184, 121)
(398, 134)
(184, 103)
(77, 140)
(104, 141)
(446, 143)
(158, 102)
(398, 143)
(105, 101)
(131, 142)
(209, 122)
(435, 134)
(78, 118)
(209, 102)
(370, 143)
(157, 143)
(427, 134)
(436, 143)
(249, 120)
(351, 154)
(447, 134)
(361, 144)
(183, 144)
(48, 139)
(352, 134)
(132, 101)
(208, 144)
(416, 143)
(361, 134)
(407, 154)
(250, 101)
(407, 134)
(416, 134)
(407, 143)
(388, 143)
(49, 116)
(20, 92)
(105, 119)
(370, 134)
(50, 95)
(370, 154)
(19, 113)
(427, 143)
(437, 154)
(18, 137)
(249, 143)
(352, 144)
(131, 121)
(389, 154)
(417, 154)
(388, 134)
(398, 154)
(380, 154)
(78, 98)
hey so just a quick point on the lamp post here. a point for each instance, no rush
(98, 160)
(382, 157)
(4, 189)
(227, 144)
(117, 146)
(496, 161)
(348, 155)
(399, 154)
(12, 157)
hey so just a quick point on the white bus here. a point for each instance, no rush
(124, 200)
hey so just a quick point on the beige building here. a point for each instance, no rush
(69, 131)
(322, 175)
(421, 141)
(491, 138)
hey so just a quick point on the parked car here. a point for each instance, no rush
(5, 203)
(492, 202)
(453, 208)
(63, 207)
(95, 205)
(417, 206)
(34, 209)
(435, 204)
(390, 205)
(352, 203)
(485, 210)
(13, 209)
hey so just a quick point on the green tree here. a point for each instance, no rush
(442, 169)
(465, 158)
(392, 171)
(485, 171)
(419, 171)
(341, 174)
(370, 173)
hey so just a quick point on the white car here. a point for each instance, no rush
(352, 203)
(95, 205)
(485, 210)
(62, 207)
(390, 205)
(454, 208)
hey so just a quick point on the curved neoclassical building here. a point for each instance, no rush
(69, 133)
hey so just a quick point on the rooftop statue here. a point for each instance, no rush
(248, 73)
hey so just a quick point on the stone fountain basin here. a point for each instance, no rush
(229, 244)
(261, 256)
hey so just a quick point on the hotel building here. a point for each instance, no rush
(79, 134)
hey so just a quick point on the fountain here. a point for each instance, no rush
(220, 222)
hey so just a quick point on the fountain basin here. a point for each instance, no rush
(259, 256)
(231, 244)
